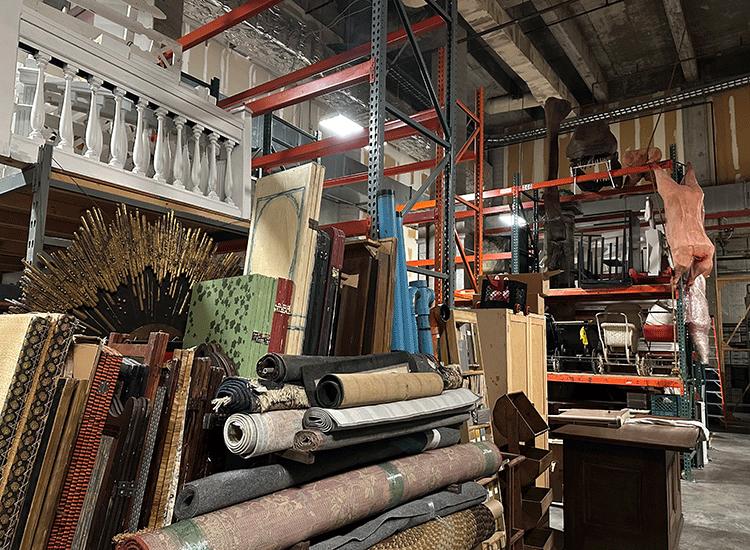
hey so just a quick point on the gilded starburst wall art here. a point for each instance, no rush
(129, 275)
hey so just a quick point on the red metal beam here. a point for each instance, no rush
(393, 171)
(458, 259)
(616, 380)
(227, 21)
(394, 129)
(465, 261)
(635, 292)
(310, 90)
(354, 228)
(389, 172)
(393, 39)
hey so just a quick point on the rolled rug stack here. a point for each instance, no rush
(315, 440)
(250, 435)
(338, 391)
(449, 402)
(460, 531)
(280, 520)
(237, 394)
(406, 516)
(228, 488)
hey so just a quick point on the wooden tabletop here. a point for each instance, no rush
(668, 438)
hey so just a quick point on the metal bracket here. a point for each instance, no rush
(39, 202)
(426, 272)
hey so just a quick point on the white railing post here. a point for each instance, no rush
(141, 150)
(117, 145)
(159, 156)
(179, 163)
(228, 179)
(213, 175)
(37, 108)
(195, 174)
(187, 180)
(66, 116)
(94, 138)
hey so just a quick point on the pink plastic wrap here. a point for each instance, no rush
(691, 248)
(697, 317)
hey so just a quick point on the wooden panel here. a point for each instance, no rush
(627, 136)
(732, 134)
(518, 355)
(282, 238)
(616, 497)
(646, 124)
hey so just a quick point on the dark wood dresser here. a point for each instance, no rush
(622, 486)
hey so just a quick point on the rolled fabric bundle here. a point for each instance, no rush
(452, 378)
(237, 394)
(449, 402)
(406, 516)
(460, 531)
(315, 440)
(308, 369)
(228, 488)
(282, 519)
(251, 435)
(483, 415)
(339, 391)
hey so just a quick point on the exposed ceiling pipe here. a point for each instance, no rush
(650, 105)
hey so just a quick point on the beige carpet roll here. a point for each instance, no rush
(459, 531)
(340, 391)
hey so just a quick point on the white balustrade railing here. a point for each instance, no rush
(115, 121)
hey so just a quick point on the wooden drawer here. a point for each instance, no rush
(539, 539)
(534, 505)
(536, 462)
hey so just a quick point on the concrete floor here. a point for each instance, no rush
(716, 505)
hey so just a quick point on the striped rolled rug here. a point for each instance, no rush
(282, 519)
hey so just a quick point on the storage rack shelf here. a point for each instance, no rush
(634, 292)
(617, 380)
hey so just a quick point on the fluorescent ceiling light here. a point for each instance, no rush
(340, 125)
(507, 219)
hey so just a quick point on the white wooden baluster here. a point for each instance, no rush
(213, 175)
(186, 169)
(66, 116)
(179, 163)
(94, 139)
(195, 175)
(159, 157)
(168, 156)
(117, 146)
(141, 152)
(37, 108)
(228, 179)
(204, 170)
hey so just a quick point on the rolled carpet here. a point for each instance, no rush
(460, 531)
(338, 391)
(308, 369)
(314, 440)
(406, 516)
(452, 377)
(237, 394)
(225, 489)
(282, 519)
(251, 435)
(449, 402)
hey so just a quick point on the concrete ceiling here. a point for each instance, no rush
(592, 52)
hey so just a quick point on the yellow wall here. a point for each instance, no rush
(732, 134)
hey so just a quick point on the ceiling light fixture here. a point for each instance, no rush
(341, 125)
